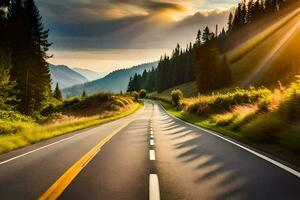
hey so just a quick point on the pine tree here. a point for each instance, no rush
(57, 93)
(41, 46)
(21, 46)
(207, 35)
(84, 94)
(7, 87)
(229, 23)
(130, 86)
(27, 42)
(198, 39)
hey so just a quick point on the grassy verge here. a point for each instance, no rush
(39, 133)
(275, 150)
(198, 121)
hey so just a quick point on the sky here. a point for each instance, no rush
(104, 35)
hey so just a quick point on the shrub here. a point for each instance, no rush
(290, 138)
(12, 122)
(289, 108)
(135, 95)
(264, 128)
(119, 102)
(142, 93)
(176, 95)
(48, 110)
(14, 116)
(70, 102)
(219, 103)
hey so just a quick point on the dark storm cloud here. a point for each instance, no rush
(151, 5)
(89, 24)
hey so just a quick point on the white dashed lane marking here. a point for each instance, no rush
(152, 154)
(154, 193)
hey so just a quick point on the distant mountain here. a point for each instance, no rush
(115, 81)
(89, 74)
(65, 76)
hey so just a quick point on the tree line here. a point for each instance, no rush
(250, 11)
(146, 81)
(24, 73)
(204, 61)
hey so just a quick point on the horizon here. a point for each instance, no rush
(119, 35)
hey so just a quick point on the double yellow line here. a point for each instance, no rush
(62, 183)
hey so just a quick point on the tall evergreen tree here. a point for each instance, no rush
(7, 87)
(84, 94)
(198, 39)
(229, 23)
(27, 42)
(41, 46)
(57, 93)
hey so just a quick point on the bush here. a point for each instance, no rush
(119, 103)
(264, 128)
(12, 122)
(207, 105)
(135, 95)
(176, 95)
(48, 110)
(290, 138)
(14, 116)
(142, 93)
(289, 108)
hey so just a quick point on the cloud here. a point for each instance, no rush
(119, 24)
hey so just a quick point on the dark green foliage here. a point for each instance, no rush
(264, 128)
(212, 72)
(26, 42)
(249, 11)
(57, 93)
(76, 104)
(145, 81)
(135, 95)
(176, 95)
(7, 87)
(177, 69)
(142, 93)
(14, 116)
(84, 94)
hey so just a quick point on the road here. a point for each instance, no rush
(185, 163)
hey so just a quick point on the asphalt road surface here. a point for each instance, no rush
(184, 162)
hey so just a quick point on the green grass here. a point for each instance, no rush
(260, 118)
(199, 121)
(9, 142)
(282, 151)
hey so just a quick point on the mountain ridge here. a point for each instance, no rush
(115, 81)
(65, 76)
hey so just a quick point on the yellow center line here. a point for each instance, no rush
(62, 183)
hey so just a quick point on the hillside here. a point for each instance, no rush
(65, 76)
(115, 81)
(89, 74)
(273, 58)
(264, 59)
